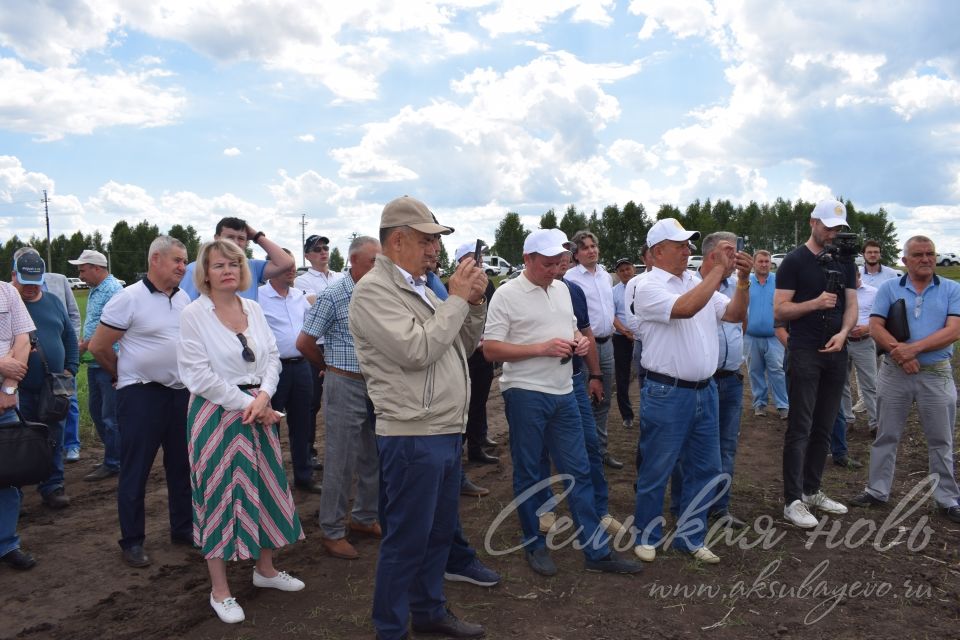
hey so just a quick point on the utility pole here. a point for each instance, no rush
(303, 238)
(46, 211)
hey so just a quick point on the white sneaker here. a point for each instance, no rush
(282, 581)
(229, 610)
(646, 552)
(611, 524)
(705, 556)
(859, 407)
(797, 513)
(547, 521)
(822, 502)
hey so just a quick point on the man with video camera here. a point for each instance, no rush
(816, 295)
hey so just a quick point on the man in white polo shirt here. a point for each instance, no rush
(532, 329)
(597, 286)
(679, 319)
(151, 401)
(862, 357)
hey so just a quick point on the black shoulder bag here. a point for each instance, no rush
(56, 390)
(26, 453)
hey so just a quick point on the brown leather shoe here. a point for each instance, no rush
(339, 548)
(373, 530)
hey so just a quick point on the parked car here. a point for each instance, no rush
(496, 266)
(776, 259)
(694, 262)
(947, 259)
(77, 283)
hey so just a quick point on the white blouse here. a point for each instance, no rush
(209, 355)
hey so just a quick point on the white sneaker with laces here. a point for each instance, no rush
(282, 581)
(611, 524)
(797, 513)
(646, 552)
(825, 504)
(228, 611)
(705, 556)
(859, 407)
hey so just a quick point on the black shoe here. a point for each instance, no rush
(487, 442)
(482, 457)
(102, 472)
(135, 556)
(848, 462)
(628, 423)
(309, 487)
(612, 462)
(315, 463)
(613, 564)
(467, 488)
(450, 626)
(864, 499)
(950, 513)
(18, 560)
(56, 499)
(541, 562)
(728, 520)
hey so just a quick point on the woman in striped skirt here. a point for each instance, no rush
(228, 359)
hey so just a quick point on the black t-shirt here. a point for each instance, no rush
(801, 273)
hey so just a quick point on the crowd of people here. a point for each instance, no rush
(205, 359)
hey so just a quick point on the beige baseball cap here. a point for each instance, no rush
(410, 212)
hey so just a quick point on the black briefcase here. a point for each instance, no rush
(26, 453)
(897, 324)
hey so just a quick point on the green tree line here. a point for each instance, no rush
(777, 227)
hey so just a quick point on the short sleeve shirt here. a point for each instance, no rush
(257, 268)
(940, 299)
(807, 278)
(14, 318)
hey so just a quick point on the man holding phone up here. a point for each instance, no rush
(531, 328)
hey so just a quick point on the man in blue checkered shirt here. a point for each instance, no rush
(347, 413)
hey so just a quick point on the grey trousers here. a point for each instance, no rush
(936, 398)
(862, 355)
(602, 410)
(350, 445)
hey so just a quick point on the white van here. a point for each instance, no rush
(496, 266)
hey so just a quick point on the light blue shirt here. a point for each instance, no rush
(760, 311)
(619, 306)
(256, 276)
(99, 297)
(730, 334)
(329, 318)
(926, 313)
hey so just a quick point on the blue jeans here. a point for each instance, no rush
(419, 504)
(9, 505)
(838, 439)
(71, 429)
(601, 491)
(29, 407)
(542, 420)
(103, 411)
(766, 364)
(677, 425)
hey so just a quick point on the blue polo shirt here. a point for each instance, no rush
(579, 300)
(256, 279)
(926, 313)
(760, 311)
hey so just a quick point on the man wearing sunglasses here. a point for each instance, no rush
(916, 371)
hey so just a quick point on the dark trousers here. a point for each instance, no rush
(151, 416)
(419, 502)
(481, 378)
(622, 362)
(814, 387)
(316, 397)
(461, 553)
(294, 396)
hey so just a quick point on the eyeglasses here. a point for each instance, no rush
(916, 307)
(247, 352)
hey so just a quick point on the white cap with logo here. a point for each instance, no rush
(831, 213)
(546, 242)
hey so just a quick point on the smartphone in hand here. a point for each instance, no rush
(478, 253)
(740, 244)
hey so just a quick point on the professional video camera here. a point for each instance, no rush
(844, 249)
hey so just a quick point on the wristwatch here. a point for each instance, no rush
(257, 236)
(595, 376)
(10, 391)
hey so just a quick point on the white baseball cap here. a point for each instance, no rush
(546, 242)
(464, 249)
(831, 213)
(669, 229)
(89, 256)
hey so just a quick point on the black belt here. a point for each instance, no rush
(860, 339)
(247, 387)
(677, 382)
(602, 340)
(725, 373)
(291, 360)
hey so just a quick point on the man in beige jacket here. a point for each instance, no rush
(413, 351)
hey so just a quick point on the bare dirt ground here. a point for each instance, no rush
(857, 584)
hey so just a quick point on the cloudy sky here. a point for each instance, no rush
(186, 111)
